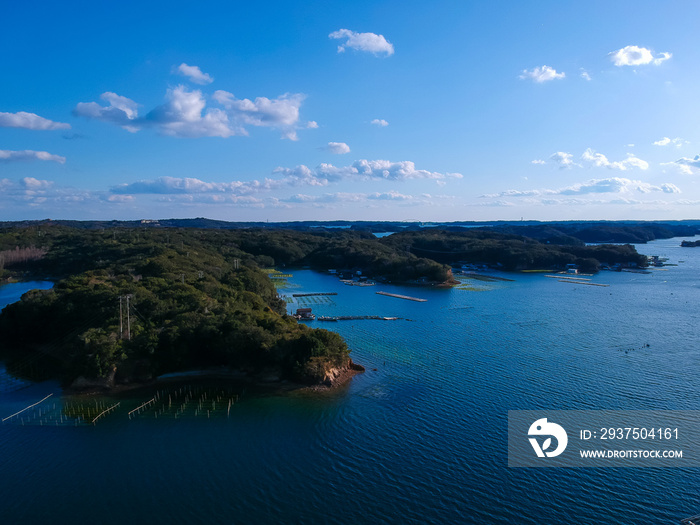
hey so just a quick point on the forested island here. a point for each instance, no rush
(133, 302)
(690, 244)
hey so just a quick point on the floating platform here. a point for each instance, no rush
(316, 294)
(403, 297)
(356, 318)
(483, 277)
(564, 276)
(582, 282)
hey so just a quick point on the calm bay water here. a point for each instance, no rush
(421, 439)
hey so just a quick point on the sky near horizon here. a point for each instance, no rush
(441, 111)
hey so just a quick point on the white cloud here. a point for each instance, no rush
(370, 42)
(121, 111)
(662, 58)
(32, 184)
(390, 196)
(186, 186)
(686, 165)
(184, 114)
(600, 160)
(585, 75)
(121, 198)
(33, 192)
(380, 122)
(194, 74)
(565, 160)
(338, 148)
(538, 161)
(281, 113)
(8, 156)
(181, 116)
(312, 124)
(25, 120)
(285, 177)
(636, 56)
(678, 142)
(593, 186)
(326, 198)
(541, 74)
(302, 176)
(403, 170)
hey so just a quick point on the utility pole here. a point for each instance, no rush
(128, 318)
(121, 317)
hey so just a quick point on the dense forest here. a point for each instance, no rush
(191, 299)
(131, 303)
(511, 252)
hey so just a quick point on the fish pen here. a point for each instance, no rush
(305, 300)
(57, 412)
(188, 401)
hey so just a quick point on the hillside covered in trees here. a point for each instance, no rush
(192, 297)
(194, 300)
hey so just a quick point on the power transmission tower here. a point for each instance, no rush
(121, 317)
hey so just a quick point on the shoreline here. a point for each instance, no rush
(262, 382)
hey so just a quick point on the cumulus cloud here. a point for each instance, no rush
(585, 75)
(360, 170)
(121, 111)
(339, 197)
(33, 192)
(174, 186)
(121, 198)
(380, 122)
(338, 148)
(370, 42)
(637, 56)
(600, 160)
(281, 112)
(390, 196)
(541, 74)
(565, 160)
(194, 74)
(593, 186)
(301, 175)
(184, 114)
(9, 156)
(399, 199)
(538, 161)
(686, 165)
(403, 170)
(677, 142)
(25, 120)
(615, 185)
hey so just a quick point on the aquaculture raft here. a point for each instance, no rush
(315, 294)
(403, 297)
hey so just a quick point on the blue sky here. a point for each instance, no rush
(350, 110)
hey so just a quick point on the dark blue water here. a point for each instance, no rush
(421, 439)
